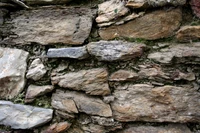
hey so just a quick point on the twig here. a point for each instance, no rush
(20, 3)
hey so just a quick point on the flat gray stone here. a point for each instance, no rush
(12, 72)
(70, 52)
(23, 116)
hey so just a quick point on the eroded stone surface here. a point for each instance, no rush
(58, 127)
(115, 50)
(155, 25)
(87, 104)
(195, 4)
(93, 81)
(123, 75)
(142, 102)
(46, 2)
(23, 116)
(12, 72)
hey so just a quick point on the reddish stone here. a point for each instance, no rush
(195, 4)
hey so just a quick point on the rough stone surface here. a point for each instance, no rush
(123, 75)
(34, 91)
(181, 52)
(36, 70)
(115, 50)
(12, 72)
(170, 128)
(188, 33)
(70, 52)
(105, 121)
(142, 102)
(155, 25)
(195, 4)
(58, 127)
(84, 103)
(23, 116)
(93, 81)
(51, 25)
(46, 2)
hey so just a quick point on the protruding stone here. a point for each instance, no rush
(70, 52)
(142, 102)
(84, 103)
(46, 2)
(93, 81)
(23, 116)
(36, 70)
(123, 75)
(57, 127)
(115, 50)
(150, 26)
(195, 4)
(12, 72)
(34, 91)
(105, 121)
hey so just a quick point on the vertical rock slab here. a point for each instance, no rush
(142, 102)
(51, 25)
(23, 116)
(12, 72)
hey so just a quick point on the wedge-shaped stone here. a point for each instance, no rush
(142, 102)
(115, 50)
(83, 102)
(12, 72)
(23, 116)
(92, 81)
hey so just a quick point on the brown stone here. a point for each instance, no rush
(123, 75)
(57, 127)
(154, 25)
(46, 2)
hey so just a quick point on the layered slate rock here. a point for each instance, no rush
(70, 52)
(57, 127)
(187, 53)
(195, 4)
(155, 25)
(170, 128)
(142, 102)
(84, 103)
(51, 25)
(115, 50)
(23, 116)
(46, 2)
(12, 72)
(123, 75)
(92, 81)
(188, 33)
(36, 70)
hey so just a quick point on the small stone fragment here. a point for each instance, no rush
(34, 91)
(70, 52)
(46, 2)
(93, 128)
(57, 127)
(105, 121)
(115, 50)
(64, 115)
(195, 4)
(23, 116)
(123, 75)
(177, 75)
(36, 70)
(108, 99)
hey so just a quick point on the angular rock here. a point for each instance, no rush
(195, 4)
(155, 25)
(34, 91)
(57, 127)
(70, 52)
(177, 75)
(181, 52)
(46, 2)
(108, 99)
(105, 121)
(170, 128)
(23, 116)
(84, 103)
(115, 50)
(93, 128)
(188, 33)
(64, 115)
(123, 75)
(142, 102)
(92, 81)
(51, 25)
(12, 72)
(36, 70)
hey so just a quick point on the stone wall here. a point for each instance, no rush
(115, 66)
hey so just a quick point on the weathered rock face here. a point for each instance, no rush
(154, 25)
(123, 75)
(188, 33)
(12, 72)
(171, 128)
(46, 2)
(195, 4)
(142, 102)
(84, 103)
(70, 52)
(57, 127)
(51, 25)
(179, 51)
(93, 81)
(115, 50)
(23, 116)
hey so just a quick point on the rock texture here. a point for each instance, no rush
(123, 75)
(51, 25)
(93, 81)
(142, 102)
(36, 70)
(195, 4)
(57, 127)
(46, 2)
(115, 50)
(84, 103)
(70, 52)
(12, 72)
(23, 116)
(155, 25)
